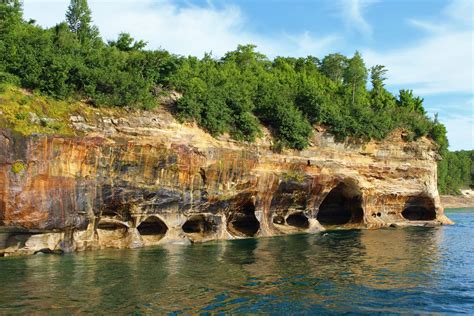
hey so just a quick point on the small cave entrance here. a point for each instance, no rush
(419, 208)
(343, 205)
(111, 233)
(17, 240)
(197, 224)
(152, 226)
(298, 220)
(280, 220)
(243, 222)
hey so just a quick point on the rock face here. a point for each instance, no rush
(145, 179)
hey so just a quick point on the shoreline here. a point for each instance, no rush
(457, 201)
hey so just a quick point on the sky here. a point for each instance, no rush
(427, 45)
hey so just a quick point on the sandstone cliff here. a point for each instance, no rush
(141, 178)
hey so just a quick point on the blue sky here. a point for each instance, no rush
(427, 45)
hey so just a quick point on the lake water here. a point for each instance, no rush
(410, 270)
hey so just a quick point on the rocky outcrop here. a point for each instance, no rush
(144, 179)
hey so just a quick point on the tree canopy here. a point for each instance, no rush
(456, 172)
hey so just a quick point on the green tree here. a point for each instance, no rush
(11, 14)
(377, 76)
(233, 94)
(79, 19)
(407, 100)
(127, 43)
(334, 66)
(455, 171)
(379, 96)
(355, 75)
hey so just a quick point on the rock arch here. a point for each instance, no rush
(152, 229)
(298, 220)
(342, 205)
(242, 221)
(111, 233)
(198, 224)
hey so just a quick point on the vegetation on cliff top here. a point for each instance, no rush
(233, 94)
(28, 113)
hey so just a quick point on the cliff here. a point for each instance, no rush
(132, 179)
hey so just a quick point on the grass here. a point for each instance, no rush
(29, 113)
(294, 175)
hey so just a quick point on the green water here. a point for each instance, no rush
(412, 270)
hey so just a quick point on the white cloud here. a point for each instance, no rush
(462, 11)
(352, 11)
(442, 62)
(460, 132)
(186, 30)
(458, 117)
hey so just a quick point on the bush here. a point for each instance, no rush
(7, 78)
(233, 94)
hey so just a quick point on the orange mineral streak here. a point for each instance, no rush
(147, 167)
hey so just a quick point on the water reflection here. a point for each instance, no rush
(337, 271)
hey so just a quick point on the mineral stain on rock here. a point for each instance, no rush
(147, 179)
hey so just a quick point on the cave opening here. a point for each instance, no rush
(341, 206)
(298, 220)
(152, 226)
(111, 233)
(420, 208)
(280, 220)
(17, 239)
(243, 222)
(197, 224)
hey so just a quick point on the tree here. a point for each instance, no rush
(455, 171)
(407, 100)
(377, 76)
(127, 43)
(333, 66)
(380, 97)
(355, 74)
(78, 17)
(11, 14)
(233, 94)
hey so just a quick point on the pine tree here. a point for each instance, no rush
(78, 17)
(377, 76)
(355, 74)
(10, 14)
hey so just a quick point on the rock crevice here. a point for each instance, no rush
(146, 181)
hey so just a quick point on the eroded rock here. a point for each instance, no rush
(146, 180)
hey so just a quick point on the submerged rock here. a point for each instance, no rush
(49, 251)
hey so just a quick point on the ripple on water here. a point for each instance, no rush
(411, 270)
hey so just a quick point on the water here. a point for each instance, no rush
(412, 270)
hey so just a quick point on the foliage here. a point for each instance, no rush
(294, 176)
(29, 114)
(126, 43)
(78, 17)
(456, 172)
(18, 167)
(234, 94)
